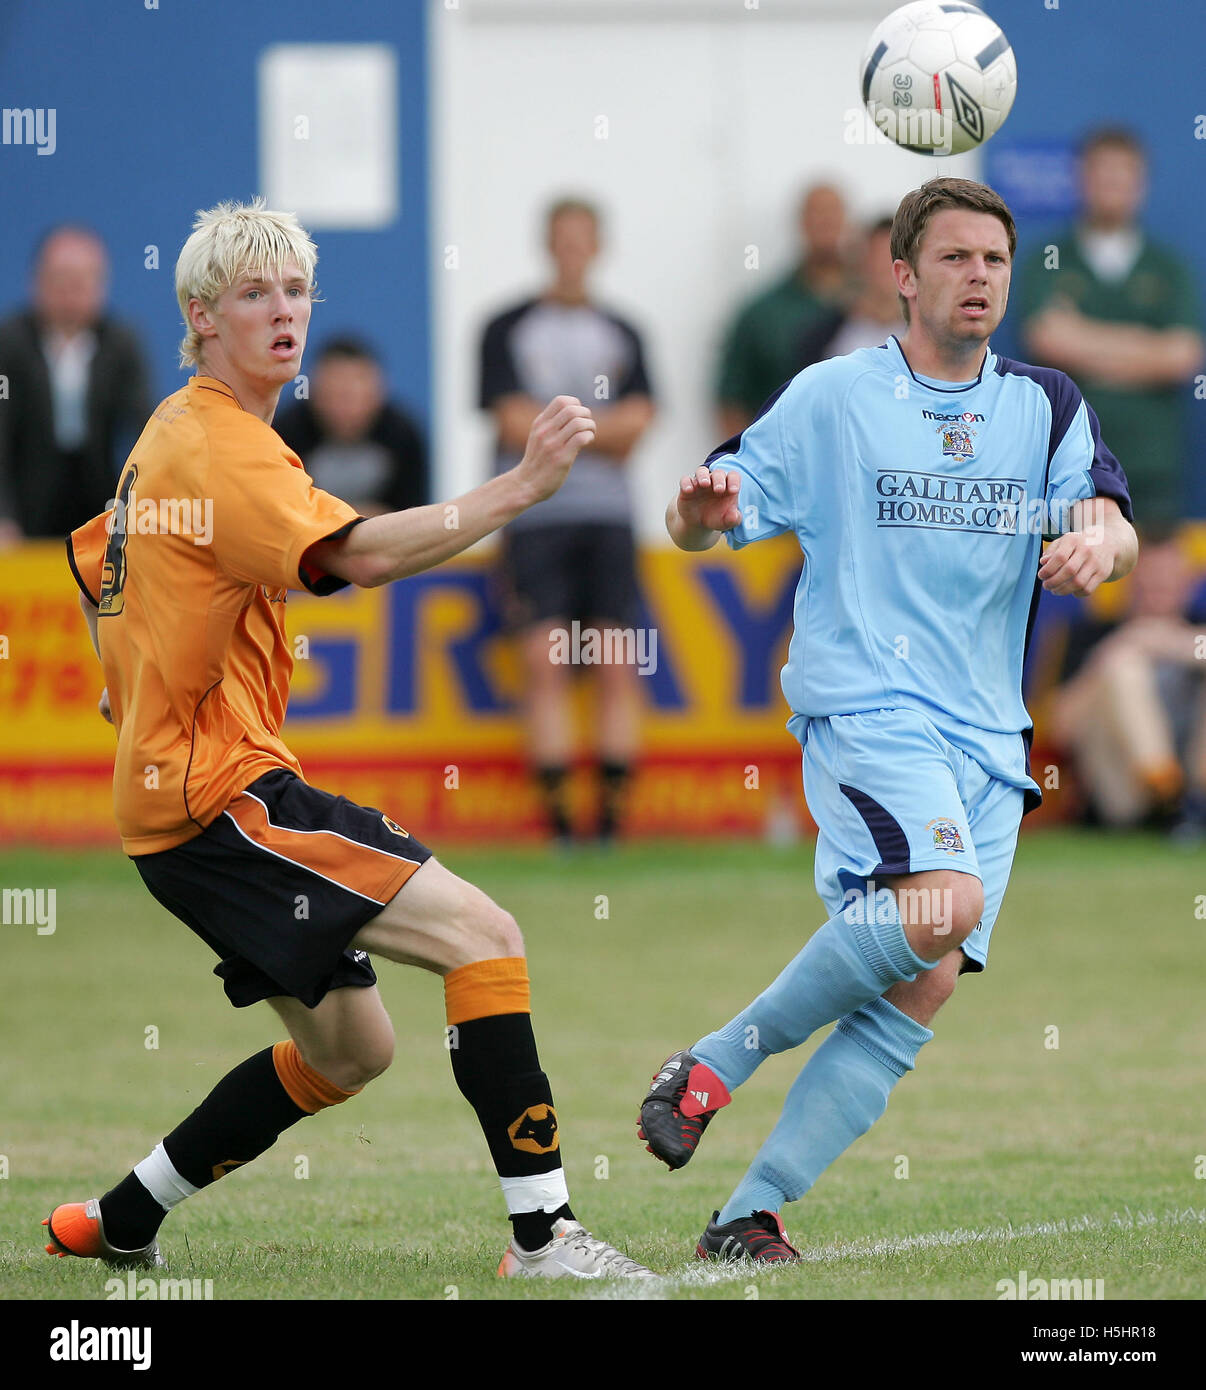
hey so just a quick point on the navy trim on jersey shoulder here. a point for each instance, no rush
(731, 445)
(1059, 389)
(1106, 472)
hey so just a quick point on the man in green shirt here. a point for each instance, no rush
(762, 347)
(1120, 315)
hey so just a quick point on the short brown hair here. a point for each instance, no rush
(916, 208)
(571, 204)
(1112, 137)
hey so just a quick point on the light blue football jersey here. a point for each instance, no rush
(921, 507)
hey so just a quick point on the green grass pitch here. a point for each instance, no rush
(1003, 1152)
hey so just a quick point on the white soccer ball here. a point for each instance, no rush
(938, 78)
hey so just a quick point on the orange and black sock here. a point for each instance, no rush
(497, 1069)
(242, 1116)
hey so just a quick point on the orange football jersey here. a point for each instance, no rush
(189, 571)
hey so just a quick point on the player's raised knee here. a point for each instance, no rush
(939, 909)
(959, 906)
(492, 931)
(348, 1067)
(375, 1058)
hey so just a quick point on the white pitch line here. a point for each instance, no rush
(892, 1245)
(745, 1272)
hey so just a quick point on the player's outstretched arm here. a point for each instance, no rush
(705, 507)
(1100, 547)
(389, 547)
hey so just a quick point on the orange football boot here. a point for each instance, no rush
(76, 1228)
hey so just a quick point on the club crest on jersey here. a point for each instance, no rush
(946, 835)
(393, 826)
(957, 442)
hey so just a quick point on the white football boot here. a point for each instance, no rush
(572, 1253)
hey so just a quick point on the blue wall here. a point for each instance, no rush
(157, 118)
(1098, 62)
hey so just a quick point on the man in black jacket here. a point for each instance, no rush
(76, 393)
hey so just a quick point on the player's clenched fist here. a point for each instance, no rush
(561, 429)
(707, 499)
(1076, 563)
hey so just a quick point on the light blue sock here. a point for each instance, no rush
(854, 957)
(839, 1095)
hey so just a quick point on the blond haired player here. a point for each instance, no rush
(190, 630)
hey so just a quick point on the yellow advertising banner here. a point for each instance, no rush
(404, 698)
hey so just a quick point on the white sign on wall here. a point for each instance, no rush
(329, 133)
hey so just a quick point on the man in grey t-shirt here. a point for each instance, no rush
(571, 558)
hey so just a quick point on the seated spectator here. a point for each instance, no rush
(1132, 706)
(77, 395)
(872, 317)
(761, 349)
(351, 440)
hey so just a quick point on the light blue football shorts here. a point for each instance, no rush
(891, 795)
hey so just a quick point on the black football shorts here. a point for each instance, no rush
(581, 570)
(280, 883)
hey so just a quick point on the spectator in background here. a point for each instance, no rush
(872, 317)
(1120, 314)
(761, 349)
(572, 557)
(78, 392)
(352, 441)
(1132, 708)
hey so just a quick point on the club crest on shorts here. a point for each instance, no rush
(946, 835)
(394, 827)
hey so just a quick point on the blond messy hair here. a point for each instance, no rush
(232, 240)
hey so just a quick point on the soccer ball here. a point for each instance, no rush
(938, 78)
